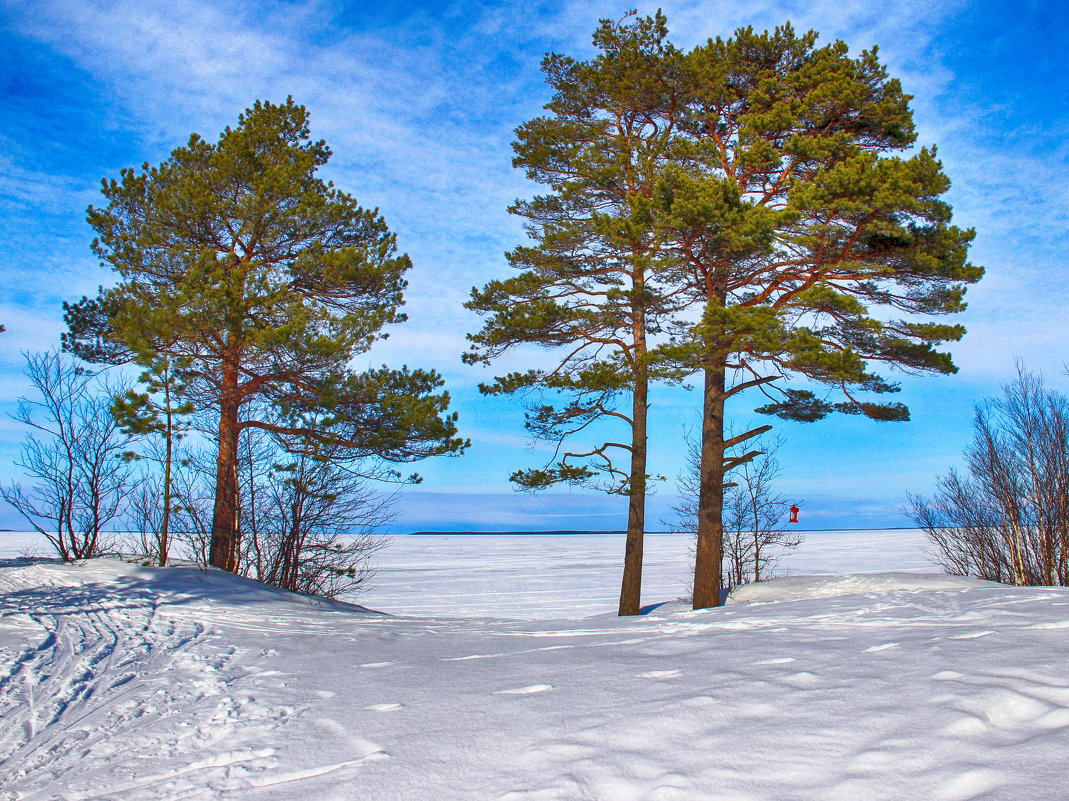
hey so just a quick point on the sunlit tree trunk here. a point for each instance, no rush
(224, 546)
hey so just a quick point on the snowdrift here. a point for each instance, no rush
(792, 588)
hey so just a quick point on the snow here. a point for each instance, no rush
(796, 587)
(127, 682)
(479, 575)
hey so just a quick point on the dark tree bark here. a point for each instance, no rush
(631, 583)
(709, 553)
(225, 542)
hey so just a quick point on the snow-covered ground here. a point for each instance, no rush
(553, 576)
(579, 575)
(123, 682)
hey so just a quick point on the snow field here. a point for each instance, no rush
(578, 575)
(546, 576)
(121, 682)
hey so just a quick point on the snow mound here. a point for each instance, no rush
(176, 583)
(795, 588)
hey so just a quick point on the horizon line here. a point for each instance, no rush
(543, 532)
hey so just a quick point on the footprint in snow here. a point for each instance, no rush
(382, 707)
(534, 688)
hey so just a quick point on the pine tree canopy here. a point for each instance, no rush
(798, 229)
(237, 257)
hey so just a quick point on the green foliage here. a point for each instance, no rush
(236, 256)
(163, 408)
(584, 286)
(791, 223)
(798, 404)
(536, 479)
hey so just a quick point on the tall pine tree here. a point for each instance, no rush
(236, 259)
(586, 285)
(808, 246)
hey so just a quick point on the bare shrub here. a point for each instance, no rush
(194, 498)
(160, 512)
(144, 522)
(753, 517)
(1008, 519)
(309, 521)
(72, 455)
(327, 523)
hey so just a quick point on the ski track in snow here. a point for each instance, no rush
(118, 682)
(117, 674)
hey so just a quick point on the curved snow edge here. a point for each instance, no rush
(794, 588)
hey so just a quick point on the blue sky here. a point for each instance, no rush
(419, 101)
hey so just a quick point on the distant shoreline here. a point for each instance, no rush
(580, 532)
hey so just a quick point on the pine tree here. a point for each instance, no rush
(586, 286)
(800, 237)
(237, 259)
(162, 411)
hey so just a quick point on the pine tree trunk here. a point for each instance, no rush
(710, 549)
(756, 531)
(631, 586)
(224, 546)
(165, 524)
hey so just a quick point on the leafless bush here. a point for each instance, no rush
(326, 528)
(258, 454)
(1008, 519)
(193, 492)
(144, 520)
(754, 515)
(72, 454)
(309, 523)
